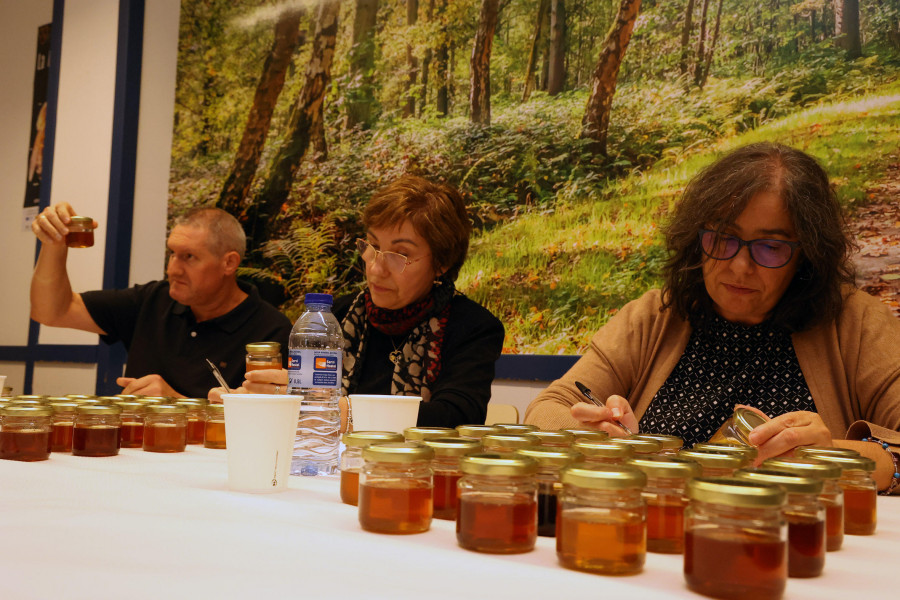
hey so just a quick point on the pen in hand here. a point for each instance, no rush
(218, 375)
(586, 391)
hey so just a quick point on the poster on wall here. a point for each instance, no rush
(38, 126)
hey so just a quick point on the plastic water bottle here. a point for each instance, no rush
(314, 370)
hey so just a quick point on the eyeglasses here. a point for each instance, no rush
(771, 254)
(394, 262)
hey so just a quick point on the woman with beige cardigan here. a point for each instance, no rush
(759, 309)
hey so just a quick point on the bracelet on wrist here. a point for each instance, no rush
(895, 478)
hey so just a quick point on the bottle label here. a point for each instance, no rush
(314, 368)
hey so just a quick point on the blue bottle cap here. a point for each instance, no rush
(318, 299)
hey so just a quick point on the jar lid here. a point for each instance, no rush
(28, 397)
(25, 410)
(516, 428)
(554, 438)
(264, 347)
(554, 458)
(63, 406)
(509, 440)
(612, 477)
(215, 410)
(804, 451)
(81, 396)
(713, 459)
(129, 396)
(749, 451)
(746, 420)
(28, 402)
(428, 433)
(808, 467)
(588, 434)
(187, 401)
(477, 431)
(359, 439)
(83, 221)
(603, 449)
(730, 491)
(847, 463)
(665, 466)
(641, 446)
(130, 405)
(152, 400)
(453, 446)
(398, 452)
(790, 483)
(497, 464)
(669, 442)
(166, 409)
(98, 409)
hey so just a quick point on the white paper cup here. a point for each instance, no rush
(260, 430)
(384, 413)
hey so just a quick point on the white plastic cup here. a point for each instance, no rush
(260, 431)
(384, 413)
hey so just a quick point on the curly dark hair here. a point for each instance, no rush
(718, 195)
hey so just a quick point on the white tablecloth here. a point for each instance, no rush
(161, 526)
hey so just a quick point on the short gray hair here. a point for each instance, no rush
(225, 232)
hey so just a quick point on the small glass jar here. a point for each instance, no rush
(476, 432)
(214, 433)
(418, 434)
(588, 434)
(196, 418)
(735, 539)
(96, 430)
(131, 434)
(748, 452)
(602, 520)
(497, 503)
(352, 460)
(832, 496)
(507, 443)
(805, 517)
(445, 465)
(665, 497)
(554, 439)
(63, 425)
(860, 491)
(715, 464)
(81, 232)
(263, 355)
(25, 432)
(603, 452)
(550, 462)
(165, 428)
(515, 428)
(642, 446)
(738, 426)
(395, 488)
(671, 444)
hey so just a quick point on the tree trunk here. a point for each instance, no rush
(268, 88)
(412, 61)
(557, 79)
(595, 124)
(536, 42)
(426, 62)
(686, 37)
(712, 46)
(846, 27)
(480, 88)
(306, 117)
(701, 44)
(362, 64)
(442, 57)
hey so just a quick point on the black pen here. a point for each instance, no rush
(586, 391)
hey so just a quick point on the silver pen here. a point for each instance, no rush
(218, 375)
(586, 391)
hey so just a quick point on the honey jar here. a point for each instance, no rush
(497, 503)
(447, 453)
(263, 355)
(131, 434)
(507, 443)
(715, 464)
(860, 490)
(62, 425)
(417, 434)
(165, 428)
(602, 520)
(736, 429)
(641, 446)
(81, 232)
(665, 497)
(735, 539)
(214, 433)
(352, 460)
(25, 432)
(476, 432)
(96, 430)
(748, 452)
(805, 517)
(671, 444)
(603, 452)
(515, 428)
(196, 418)
(395, 488)
(588, 434)
(550, 462)
(832, 496)
(554, 439)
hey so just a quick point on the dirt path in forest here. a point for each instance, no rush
(876, 227)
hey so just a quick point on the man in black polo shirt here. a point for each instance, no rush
(168, 327)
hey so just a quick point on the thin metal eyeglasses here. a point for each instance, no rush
(395, 263)
(771, 254)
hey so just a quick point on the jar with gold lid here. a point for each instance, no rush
(805, 517)
(131, 434)
(351, 463)
(588, 434)
(196, 418)
(714, 463)
(832, 496)
(447, 453)
(165, 428)
(497, 503)
(748, 452)
(603, 452)
(736, 429)
(554, 439)
(214, 433)
(602, 520)
(263, 355)
(81, 232)
(96, 430)
(860, 490)
(735, 539)
(515, 428)
(417, 434)
(25, 432)
(62, 425)
(670, 444)
(476, 432)
(395, 488)
(641, 446)
(665, 497)
(507, 443)
(550, 462)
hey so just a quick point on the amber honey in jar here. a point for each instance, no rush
(735, 539)
(515, 428)
(63, 425)
(748, 452)
(554, 439)
(550, 462)
(641, 446)
(96, 430)
(419, 434)
(81, 232)
(196, 418)
(508, 443)
(497, 503)
(664, 495)
(714, 463)
(670, 444)
(476, 432)
(351, 463)
(445, 465)
(588, 434)
(131, 434)
(214, 433)
(603, 452)
(165, 428)
(395, 488)
(602, 519)
(25, 432)
(831, 497)
(263, 355)
(860, 490)
(805, 516)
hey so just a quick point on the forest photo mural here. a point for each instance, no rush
(570, 126)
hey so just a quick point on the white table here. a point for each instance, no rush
(161, 526)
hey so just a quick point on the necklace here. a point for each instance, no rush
(397, 354)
